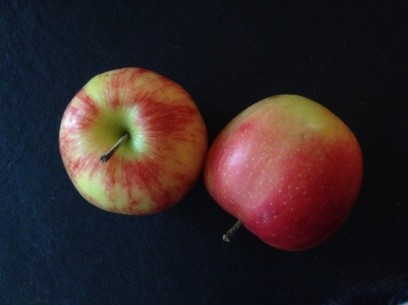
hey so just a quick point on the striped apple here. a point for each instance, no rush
(132, 141)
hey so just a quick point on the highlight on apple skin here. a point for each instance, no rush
(132, 141)
(288, 169)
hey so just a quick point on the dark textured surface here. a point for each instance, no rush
(57, 249)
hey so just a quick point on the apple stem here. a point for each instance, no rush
(230, 233)
(107, 155)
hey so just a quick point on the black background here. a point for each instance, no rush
(55, 248)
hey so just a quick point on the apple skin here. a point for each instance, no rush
(161, 160)
(288, 168)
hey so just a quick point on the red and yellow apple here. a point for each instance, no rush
(288, 169)
(132, 141)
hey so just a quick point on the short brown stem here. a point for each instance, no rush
(230, 233)
(107, 155)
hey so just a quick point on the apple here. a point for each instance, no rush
(132, 141)
(288, 169)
